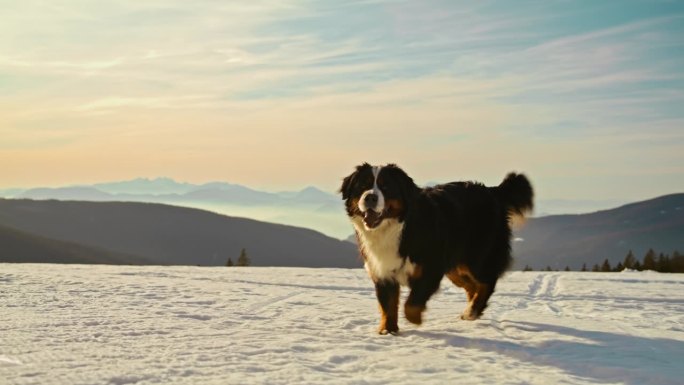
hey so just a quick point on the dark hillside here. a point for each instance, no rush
(571, 240)
(18, 246)
(175, 235)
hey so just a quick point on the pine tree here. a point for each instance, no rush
(629, 260)
(677, 262)
(605, 266)
(619, 267)
(584, 267)
(662, 264)
(527, 268)
(230, 262)
(596, 268)
(649, 260)
(567, 268)
(243, 259)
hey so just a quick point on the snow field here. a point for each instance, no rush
(77, 324)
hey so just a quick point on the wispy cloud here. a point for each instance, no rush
(118, 102)
(48, 65)
(543, 87)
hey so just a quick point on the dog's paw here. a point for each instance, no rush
(388, 328)
(414, 314)
(470, 315)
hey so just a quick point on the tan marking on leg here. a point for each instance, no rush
(389, 320)
(476, 305)
(414, 314)
(461, 276)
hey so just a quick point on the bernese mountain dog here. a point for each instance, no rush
(412, 236)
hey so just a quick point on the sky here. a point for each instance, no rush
(585, 97)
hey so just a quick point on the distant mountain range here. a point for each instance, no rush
(571, 240)
(310, 207)
(131, 232)
(166, 189)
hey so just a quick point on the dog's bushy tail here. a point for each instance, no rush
(516, 193)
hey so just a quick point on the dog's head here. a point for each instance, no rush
(376, 193)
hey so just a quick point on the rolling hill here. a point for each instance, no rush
(571, 240)
(128, 232)
(173, 235)
(18, 246)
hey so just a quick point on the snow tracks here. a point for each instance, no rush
(75, 324)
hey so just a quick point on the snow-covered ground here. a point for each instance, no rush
(75, 324)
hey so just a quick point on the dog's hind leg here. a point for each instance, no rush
(464, 282)
(479, 302)
(478, 292)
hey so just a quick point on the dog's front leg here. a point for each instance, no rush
(422, 288)
(388, 298)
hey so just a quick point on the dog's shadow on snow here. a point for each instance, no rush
(599, 356)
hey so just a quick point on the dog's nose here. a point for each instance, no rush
(371, 200)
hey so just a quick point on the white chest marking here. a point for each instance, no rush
(381, 248)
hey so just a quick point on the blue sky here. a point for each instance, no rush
(584, 96)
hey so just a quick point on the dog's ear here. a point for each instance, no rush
(407, 186)
(348, 182)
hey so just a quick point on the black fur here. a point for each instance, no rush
(458, 229)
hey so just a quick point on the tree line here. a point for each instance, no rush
(243, 260)
(663, 263)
